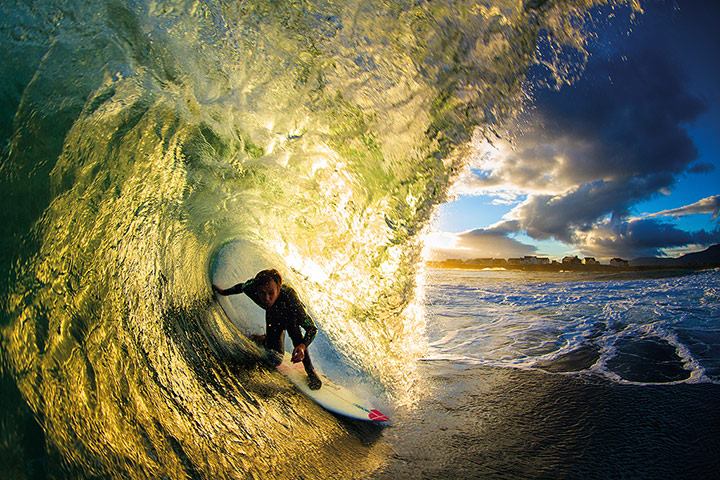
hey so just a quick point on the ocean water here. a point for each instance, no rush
(650, 329)
(565, 376)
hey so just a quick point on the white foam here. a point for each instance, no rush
(523, 325)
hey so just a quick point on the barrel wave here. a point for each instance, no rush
(141, 137)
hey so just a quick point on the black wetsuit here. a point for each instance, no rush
(287, 313)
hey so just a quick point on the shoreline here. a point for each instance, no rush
(561, 268)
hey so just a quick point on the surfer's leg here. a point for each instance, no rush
(314, 381)
(274, 342)
(307, 363)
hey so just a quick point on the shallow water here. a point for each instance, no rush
(638, 330)
(480, 422)
(565, 376)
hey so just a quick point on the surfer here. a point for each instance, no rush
(283, 311)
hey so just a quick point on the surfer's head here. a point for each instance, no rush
(268, 286)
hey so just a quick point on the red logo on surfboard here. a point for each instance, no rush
(377, 416)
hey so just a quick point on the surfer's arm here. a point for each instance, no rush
(303, 319)
(310, 330)
(249, 288)
(242, 287)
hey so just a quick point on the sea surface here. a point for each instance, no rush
(566, 376)
(630, 329)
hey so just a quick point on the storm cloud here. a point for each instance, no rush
(592, 150)
(623, 119)
(643, 237)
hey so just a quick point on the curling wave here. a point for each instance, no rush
(141, 136)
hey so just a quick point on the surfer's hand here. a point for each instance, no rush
(299, 353)
(217, 289)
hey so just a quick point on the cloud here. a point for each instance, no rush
(620, 121)
(709, 205)
(564, 216)
(589, 152)
(701, 167)
(479, 243)
(643, 237)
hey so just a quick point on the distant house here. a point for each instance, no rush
(515, 261)
(619, 262)
(533, 260)
(591, 261)
(571, 260)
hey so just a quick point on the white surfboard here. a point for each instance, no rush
(330, 396)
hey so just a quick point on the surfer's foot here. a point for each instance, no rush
(314, 381)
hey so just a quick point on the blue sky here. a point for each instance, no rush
(601, 161)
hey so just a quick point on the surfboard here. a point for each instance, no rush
(332, 397)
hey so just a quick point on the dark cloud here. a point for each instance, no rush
(622, 120)
(565, 216)
(644, 237)
(701, 167)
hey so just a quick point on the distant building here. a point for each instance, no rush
(515, 261)
(533, 260)
(571, 260)
(591, 261)
(619, 262)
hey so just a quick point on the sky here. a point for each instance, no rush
(624, 162)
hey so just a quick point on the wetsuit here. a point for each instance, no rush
(287, 313)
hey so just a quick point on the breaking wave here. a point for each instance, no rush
(140, 137)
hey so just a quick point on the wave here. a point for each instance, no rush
(140, 137)
(635, 332)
